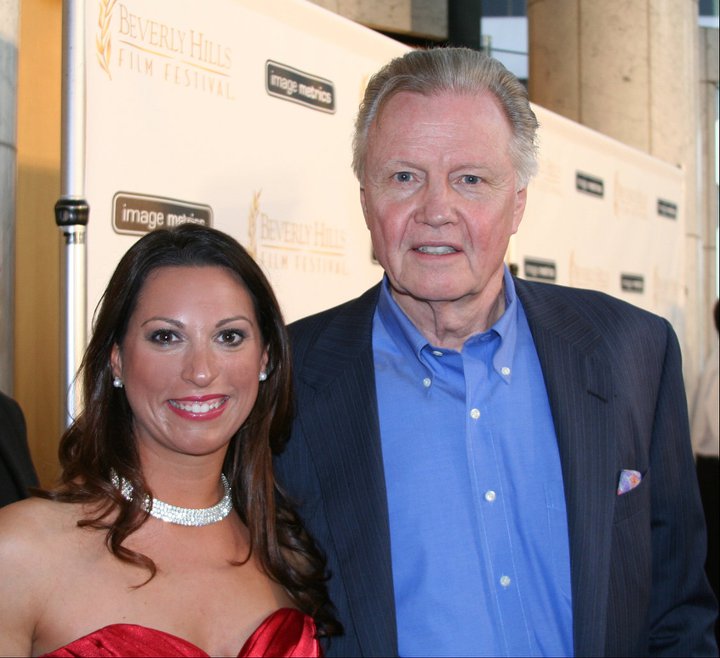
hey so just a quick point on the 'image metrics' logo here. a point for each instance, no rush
(667, 209)
(632, 283)
(542, 270)
(141, 213)
(296, 86)
(588, 184)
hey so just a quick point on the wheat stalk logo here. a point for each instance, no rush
(103, 42)
(252, 223)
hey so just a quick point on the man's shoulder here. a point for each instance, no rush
(594, 306)
(595, 320)
(351, 314)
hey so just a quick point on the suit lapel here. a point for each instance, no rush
(341, 417)
(579, 388)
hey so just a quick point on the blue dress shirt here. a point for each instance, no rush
(478, 526)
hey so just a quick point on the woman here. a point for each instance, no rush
(186, 396)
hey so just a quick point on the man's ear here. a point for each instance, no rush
(363, 204)
(519, 209)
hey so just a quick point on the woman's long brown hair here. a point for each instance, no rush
(101, 438)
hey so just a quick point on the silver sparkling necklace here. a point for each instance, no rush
(179, 515)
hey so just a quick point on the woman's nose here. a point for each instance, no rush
(200, 367)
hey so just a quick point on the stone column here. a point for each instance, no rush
(629, 69)
(709, 82)
(420, 18)
(8, 151)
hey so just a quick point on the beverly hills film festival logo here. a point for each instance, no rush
(133, 43)
(312, 247)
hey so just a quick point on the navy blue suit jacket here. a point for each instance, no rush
(613, 376)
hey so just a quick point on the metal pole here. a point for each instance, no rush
(9, 12)
(71, 209)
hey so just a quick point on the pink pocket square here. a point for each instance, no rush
(628, 481)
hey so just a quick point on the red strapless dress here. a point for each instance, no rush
(285, 633)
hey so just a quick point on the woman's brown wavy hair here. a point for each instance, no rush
(101, 438)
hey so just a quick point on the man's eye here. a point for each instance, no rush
(231, 337)
(163, 336)
(471, 180)
(403, 177)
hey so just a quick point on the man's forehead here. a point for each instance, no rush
(409, 114)
(405, 101)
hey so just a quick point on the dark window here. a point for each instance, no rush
(708, 8)
(505, 7)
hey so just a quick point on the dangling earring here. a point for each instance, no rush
(117, 382)
(262, 376)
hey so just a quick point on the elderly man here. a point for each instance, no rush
(494, 467)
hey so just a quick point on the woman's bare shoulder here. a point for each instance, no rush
(33, 538)
(33, 526)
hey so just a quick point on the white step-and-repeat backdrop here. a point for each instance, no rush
(236, 113)
(239, 114)
(605, 216)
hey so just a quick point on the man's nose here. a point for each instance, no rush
(437, 203)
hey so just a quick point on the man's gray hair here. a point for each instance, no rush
(458, 70)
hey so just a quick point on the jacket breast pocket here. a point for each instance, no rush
(634, 501)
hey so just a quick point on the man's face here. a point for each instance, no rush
(439, 195)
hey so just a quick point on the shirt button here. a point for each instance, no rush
(475, 414)
(437, 353)
(505, 581)
(490, 496)
(426, 382)
(505, 370)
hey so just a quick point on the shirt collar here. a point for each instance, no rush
(407, 336)
(398, 325)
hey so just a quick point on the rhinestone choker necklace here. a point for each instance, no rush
(179, 515)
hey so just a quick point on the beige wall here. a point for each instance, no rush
(709, 80)
(37, 287)
(417, 17)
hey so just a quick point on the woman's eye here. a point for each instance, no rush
(231, 337)
(163, 336)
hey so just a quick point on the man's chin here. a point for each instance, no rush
(428, 292)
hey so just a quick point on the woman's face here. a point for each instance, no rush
(190, 360)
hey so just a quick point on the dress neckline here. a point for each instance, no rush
(192, 649)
